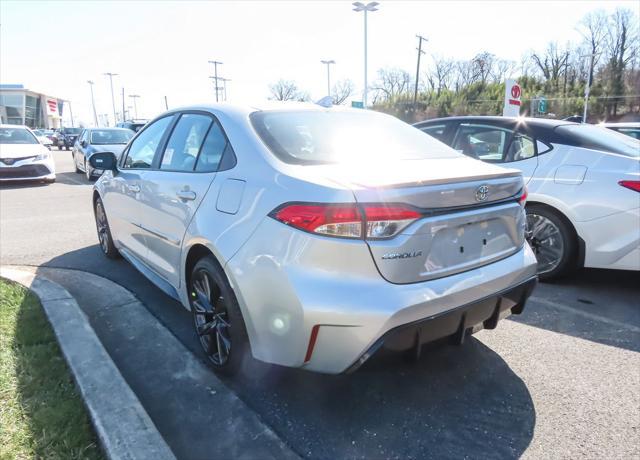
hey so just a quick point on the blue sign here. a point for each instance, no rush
(357, 104)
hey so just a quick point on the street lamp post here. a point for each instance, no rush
(328, 64)
(93, 104)
(135, 105)
(113, 98)
(359, 6)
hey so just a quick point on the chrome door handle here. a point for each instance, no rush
(186, 195)
(133, 188)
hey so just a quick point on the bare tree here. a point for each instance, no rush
(552, 63)
(341, 91)
(443, 74)
(286, 90)
(622, 46)
(391, 83)
(593, 29)
(502, 69)
(482, 65)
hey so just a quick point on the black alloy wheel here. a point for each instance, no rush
(104, 232)
(216, 316)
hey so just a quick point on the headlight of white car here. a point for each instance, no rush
(42, 156)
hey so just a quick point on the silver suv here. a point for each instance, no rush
(310, 237)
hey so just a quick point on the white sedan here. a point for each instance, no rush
(583, 207)
(23, 157)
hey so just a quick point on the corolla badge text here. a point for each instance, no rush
(401, 255)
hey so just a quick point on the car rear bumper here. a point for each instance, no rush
(456, 323)
(320, 303)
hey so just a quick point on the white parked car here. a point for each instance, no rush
(43, 138)
(23, 157)
(630, 129)
(583, 207)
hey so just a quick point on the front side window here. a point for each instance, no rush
(185, 142)
(17, 136)
(487, 143)
(144, 147)
(308, 137)
(110, 136)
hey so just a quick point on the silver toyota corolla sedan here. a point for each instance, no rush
(310, 237)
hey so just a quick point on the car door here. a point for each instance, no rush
(497, 144)
(123, 192)
(174, 189)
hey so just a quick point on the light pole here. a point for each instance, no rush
(215, 75)
(587, 88)
(93, 104)
(135, 105)
(328, 64)
(359, 6)
(113, 98)
(224, 86)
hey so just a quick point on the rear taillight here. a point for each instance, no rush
(348, 221)
(523, 198)
(631, 184)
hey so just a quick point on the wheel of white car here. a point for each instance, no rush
(553, 241)
(217, 318)
(104, 231)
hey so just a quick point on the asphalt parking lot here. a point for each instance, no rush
(560, 381)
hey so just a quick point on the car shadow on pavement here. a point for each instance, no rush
(455, 402)
(596, 305)
(13, 185)
(72, 178)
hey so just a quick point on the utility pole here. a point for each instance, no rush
(420, 52)
(124, 115)
(587, 88)
(113, 99)
(215, 75)
(166, 104)
(224, 87)
(70, 112)
(93, 104)
(328, 64)
(359, 6)
(135, 105)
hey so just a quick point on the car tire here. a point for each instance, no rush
(104, 231)
(553, 240)
(75, 163)
(217, 318)
(87, 171)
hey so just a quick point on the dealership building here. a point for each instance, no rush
(21, 106)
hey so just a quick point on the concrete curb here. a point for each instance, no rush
(124, 428)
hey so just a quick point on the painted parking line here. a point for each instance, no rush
(584, 314)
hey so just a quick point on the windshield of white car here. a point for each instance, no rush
(600, 138)
(16, 136)
(320, 137)
(106, 136)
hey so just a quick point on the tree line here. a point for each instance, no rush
(476, 87)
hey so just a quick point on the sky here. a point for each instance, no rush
(162, 48)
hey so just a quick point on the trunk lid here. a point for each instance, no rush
(471, 215)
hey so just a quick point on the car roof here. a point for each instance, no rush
(107, 129)
(262, 106)
(622, 125)
(503, 121)
(14, 126)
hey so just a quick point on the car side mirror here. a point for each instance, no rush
(106, 161)
(83, 143)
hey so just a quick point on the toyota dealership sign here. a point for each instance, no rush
(512, 99)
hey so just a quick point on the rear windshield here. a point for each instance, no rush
(107, 136)
(16, 136)
(72, 130)
(319, 137)
(600, 138)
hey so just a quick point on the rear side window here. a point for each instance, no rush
(633, 132)
(143, 148)
(185, 142)
(215, 146)
(521, 148)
